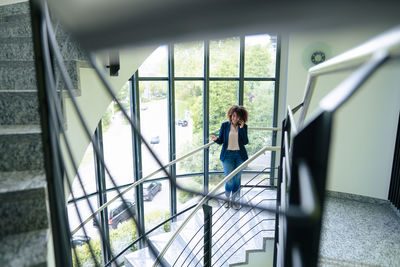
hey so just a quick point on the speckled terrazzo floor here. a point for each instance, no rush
(359, 233)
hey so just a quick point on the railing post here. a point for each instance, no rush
(102, 194)
(206, 117)
(137, 156)
(279, 228)
(50, 132)
(207, 234)
(171, 130)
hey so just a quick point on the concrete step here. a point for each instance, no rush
(21, 75)
(19, 107)
(21, 148)
(25, 249)
(21, 49)
(15, 29)
(22, 202)
(17, 18)
(20, 26)
(14, 9)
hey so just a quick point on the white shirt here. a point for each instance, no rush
(233, 142)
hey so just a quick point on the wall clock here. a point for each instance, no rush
(318, 57)
(315, 53)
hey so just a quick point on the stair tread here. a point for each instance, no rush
(20, 39)
(14, 9)
(20, 129)
(24, 249)
(19, 63)
(21, 181)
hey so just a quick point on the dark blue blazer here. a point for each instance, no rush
(223, 139)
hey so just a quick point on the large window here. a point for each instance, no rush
(236, 70)
(177, 89)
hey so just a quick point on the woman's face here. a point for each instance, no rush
(235, 118)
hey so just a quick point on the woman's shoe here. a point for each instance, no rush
(226, 205)
(235, 206)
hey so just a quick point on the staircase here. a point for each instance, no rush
(24, 224)
(235, 235)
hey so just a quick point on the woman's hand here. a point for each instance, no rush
(241, 124)
(213, 138)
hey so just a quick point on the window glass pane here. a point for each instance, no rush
(189, 124)
(259, 101)
(122, 227)
(260, 54)
(224, 57)
(223, 94)
(156, 204)
(156, 65)
(189, 59)
(154, 124)
(186, 199)
(79, 240)
(214, 180)
(117, 142)
(87, 175)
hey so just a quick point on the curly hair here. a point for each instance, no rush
(241, 112)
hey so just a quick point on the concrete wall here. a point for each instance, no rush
(365, 127)
(94, 100)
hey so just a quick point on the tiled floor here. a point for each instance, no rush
(359, 233)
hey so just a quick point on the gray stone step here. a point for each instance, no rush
(21, 148)
(25, 249)
(21, 75)
(15, 29)
(20, 26)
(14, 9)
(19, 107)
(21, 49)
(22, 202)
(21, 17)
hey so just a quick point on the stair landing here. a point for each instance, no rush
(359, 231)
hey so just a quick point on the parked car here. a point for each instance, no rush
(79, 240)
(182, 123)
(150, 190)
(118, 213)
(155, 140)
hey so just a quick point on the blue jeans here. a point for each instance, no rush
(232, 161)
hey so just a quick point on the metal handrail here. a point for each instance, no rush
(265, 128)
(105, 205)
(216, 131)
(137, 183)
(211, 193)
(388, 41)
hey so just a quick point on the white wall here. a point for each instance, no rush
(365, 127)
(262, 258)
(94, 100)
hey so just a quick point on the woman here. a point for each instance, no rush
(233, 137)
